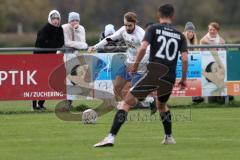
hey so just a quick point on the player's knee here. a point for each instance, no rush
(124, 106)
(116, 89)
(162, 107)
(130, 102)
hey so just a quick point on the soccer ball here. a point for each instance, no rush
(89, 116)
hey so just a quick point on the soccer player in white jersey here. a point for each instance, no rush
(132, 34)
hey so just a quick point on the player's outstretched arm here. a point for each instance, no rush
(100, 44)
(116, 36)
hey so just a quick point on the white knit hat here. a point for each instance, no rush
(53, 14)
(109, 29)
(73, 16)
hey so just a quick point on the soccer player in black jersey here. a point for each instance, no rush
(165, 45)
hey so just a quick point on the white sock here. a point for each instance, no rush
(168, 135)
(111, 137)
(149, 99)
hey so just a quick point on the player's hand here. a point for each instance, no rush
(91, 49)
(132, 68)
(182, 84)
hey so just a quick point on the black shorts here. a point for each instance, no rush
(158, 78)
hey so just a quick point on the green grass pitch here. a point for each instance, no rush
(209, 132)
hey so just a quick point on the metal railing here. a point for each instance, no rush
(20, 49)
(226, 46)
(34, 49)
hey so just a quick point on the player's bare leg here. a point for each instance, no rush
(165, 115)
(119, 119)
(118, 86)
(121, 87)
(153, 107)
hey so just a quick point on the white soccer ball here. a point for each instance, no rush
(89, 116)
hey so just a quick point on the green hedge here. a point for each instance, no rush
(14, 40)
(28, 40)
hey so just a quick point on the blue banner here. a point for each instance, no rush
(194, 66)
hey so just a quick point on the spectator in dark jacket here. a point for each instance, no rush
(50, 36)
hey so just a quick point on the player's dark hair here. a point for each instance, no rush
(131, 17)
(209, 69)
(166, 11)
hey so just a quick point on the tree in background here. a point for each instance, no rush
(30, 13)
(95, 14)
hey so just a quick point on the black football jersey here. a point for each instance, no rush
(165, 45)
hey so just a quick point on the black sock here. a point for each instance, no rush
(34, 104)
(119, 119)
(41, 103)
(167, 122)
(70, 102)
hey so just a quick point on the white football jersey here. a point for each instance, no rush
(133, 42)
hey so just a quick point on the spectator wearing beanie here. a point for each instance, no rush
(74, 33)
(112, 46)
(109, 30)
(74, 37)
(191, 37)
(190, 34)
